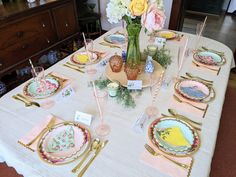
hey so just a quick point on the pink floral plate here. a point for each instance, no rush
(49, 87)
(63, 143)
(193, 90)
(209, 58)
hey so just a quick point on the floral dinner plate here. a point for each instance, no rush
(167, 34)
(115, 38)
(174, 136)
(64, 143)
(193, 89)
(82, 58)
(208, 58)
(33, 90)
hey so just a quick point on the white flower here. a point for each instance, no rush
(116, 9)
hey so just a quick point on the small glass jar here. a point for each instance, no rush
(116, 63)
(113, 88)
(132, 71)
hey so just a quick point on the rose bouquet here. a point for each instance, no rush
(136, 13)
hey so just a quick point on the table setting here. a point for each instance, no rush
(154, 111)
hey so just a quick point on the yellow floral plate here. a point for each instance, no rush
(174, 136)
(167, 34)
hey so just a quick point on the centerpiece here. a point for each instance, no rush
(137, 14)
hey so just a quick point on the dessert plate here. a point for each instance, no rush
(63, 143)
(32, 89)
(193, 90)
(82, 58)
(167, 34)
(209, 58)
(115, 39)
(174, 136)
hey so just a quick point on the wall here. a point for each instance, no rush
(107, 26)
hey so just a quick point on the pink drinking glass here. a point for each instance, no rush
(101, 97)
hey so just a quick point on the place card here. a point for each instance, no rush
(83, 118)
(65, 93)
(135, 85)
(160, 42)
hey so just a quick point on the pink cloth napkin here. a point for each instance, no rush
(35, 131)
(188, 108)
(165, 166)
(66, 81)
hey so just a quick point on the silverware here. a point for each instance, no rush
(174, 113)
(204, 80)
(98, 150)
(72, 67)
(204, 66)
(181, 101)
(154, 153)
(28, 100)
(27, 104)
(80, 67)
(48, 127)
(94, 145)
(109, 45)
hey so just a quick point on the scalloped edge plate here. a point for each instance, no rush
(48, 78)
(115, 39)
(193, 83)
(195, 146)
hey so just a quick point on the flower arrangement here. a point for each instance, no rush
(136, 13)
(147, 13)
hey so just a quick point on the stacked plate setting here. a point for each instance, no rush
(188, 132)
(63, 143)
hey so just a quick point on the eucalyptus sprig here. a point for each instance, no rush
(162, 56)
(123, 97)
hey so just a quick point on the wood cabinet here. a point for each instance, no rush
(24, 34)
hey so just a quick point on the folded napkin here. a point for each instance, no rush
(212, 69)
(65, 80)
(188, 108)
(35, 131)
(165, 166)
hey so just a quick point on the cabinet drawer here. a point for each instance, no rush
(22, 50)
(65, 20)
(26, 28)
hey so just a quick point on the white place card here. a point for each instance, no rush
(135, 85)
(83, 118)
(160, 42)
(65, 93)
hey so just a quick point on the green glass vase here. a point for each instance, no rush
(133, 55)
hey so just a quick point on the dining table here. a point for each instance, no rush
(122, 155)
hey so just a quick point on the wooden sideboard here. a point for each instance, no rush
(28, 30)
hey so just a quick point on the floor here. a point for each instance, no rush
(221, 28)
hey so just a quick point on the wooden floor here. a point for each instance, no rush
(221, 28)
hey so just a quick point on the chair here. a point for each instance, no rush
(89, 21)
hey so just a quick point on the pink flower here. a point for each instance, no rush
(153, 19)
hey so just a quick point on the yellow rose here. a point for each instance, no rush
(138, 7)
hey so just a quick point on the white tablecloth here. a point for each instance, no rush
(120, 158)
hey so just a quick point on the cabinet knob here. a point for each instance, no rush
(66, 25)
(48, 41)
(43, 25)
(1, 64)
